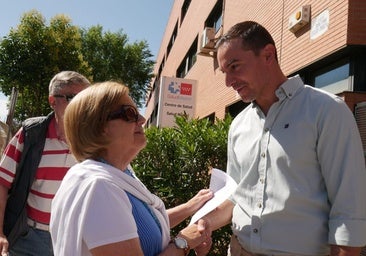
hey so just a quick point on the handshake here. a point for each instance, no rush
(196, 236)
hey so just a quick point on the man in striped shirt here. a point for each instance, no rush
(31, 169)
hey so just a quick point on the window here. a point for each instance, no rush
(235, 108)
(214, 19)
(333, 78)
(172, 39)
(210, 118)
(153, 117)
(188, 60)
(184, 9)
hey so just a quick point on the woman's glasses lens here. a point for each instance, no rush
(127, 113)
(131, 114)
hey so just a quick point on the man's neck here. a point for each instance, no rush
(60, 130)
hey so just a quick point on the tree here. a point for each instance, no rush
(32, 54)
(111, 58)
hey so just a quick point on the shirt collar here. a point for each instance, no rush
(289, 88)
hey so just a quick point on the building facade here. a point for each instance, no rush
(324, 41)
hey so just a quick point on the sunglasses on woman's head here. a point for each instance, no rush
(127, 113)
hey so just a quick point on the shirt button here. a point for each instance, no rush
(266, 130)
(259, 205)
(263, 155)
(255, 230)
(261, 180)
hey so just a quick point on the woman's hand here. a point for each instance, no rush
(196, 202)
(183, 211)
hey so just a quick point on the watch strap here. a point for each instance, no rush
(181, 243)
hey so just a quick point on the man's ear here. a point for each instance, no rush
(270, 52)
(105, 130)
(51, 101)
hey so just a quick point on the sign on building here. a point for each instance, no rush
(177, 96)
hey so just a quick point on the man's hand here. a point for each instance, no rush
(196, 234)
(338, 250)
(204, 247)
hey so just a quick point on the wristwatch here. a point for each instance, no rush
(181, 243)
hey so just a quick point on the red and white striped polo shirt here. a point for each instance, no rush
(55, 162)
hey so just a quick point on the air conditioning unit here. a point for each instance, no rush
(208, 39)
(299, 18)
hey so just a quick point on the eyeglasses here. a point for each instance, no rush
(127, 113)
(66, 97)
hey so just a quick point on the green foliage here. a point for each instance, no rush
(32, 54)
(176, 161)
(111, 58)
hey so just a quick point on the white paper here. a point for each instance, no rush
(223, 186)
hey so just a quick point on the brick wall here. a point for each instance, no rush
(351, 99)
(357, 22)
(295, 51)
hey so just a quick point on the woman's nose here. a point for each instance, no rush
(141, 120)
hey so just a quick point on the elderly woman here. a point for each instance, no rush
(101, 208)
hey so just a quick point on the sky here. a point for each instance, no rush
(138, 19)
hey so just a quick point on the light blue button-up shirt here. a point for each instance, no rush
(301, 174)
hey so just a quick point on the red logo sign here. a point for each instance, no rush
(186, 89)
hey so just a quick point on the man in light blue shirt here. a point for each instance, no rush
(296, 155)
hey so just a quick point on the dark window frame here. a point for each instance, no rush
(215, 17)
(189, 60)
